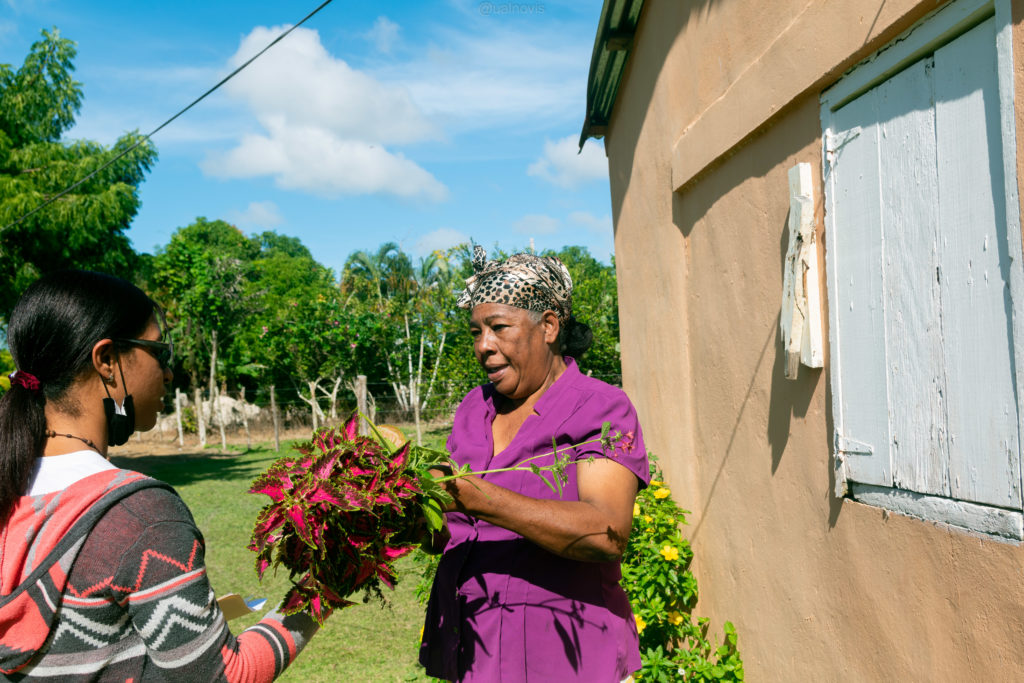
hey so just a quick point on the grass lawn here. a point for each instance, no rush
(361, 643)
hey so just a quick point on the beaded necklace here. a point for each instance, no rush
(51, 434)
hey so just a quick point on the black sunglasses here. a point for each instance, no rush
(162, 351)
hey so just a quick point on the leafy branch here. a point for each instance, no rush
(349, 506)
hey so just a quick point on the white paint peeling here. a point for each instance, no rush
(800, 322)
(1008, 524)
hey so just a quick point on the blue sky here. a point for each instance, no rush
(422, 123)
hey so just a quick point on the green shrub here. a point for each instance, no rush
(6, 368)
(189, 424)
(662, 590)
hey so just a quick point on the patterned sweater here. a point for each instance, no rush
(106, 581)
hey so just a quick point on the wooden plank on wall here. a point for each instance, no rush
(856, 254)
(976, 305)
(913, 330)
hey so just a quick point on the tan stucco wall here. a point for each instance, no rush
(819, 589)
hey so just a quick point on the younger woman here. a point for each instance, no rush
(102, 575)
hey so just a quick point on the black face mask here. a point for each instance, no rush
(120, 423)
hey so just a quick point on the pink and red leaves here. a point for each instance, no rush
(339, 516)
(351, 428)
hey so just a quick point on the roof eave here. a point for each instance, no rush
(615, 33)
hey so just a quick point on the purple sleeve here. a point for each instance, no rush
(613, 406)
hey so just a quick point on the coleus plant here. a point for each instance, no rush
(345, 508)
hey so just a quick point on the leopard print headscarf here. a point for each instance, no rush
(535, 283)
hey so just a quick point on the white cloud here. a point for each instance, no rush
(602, 225)
(384, 34)
(316, 161)
(492, 74)
(257, 215)
(439, 240)
(301, 82)
(324, 124)
(565, 166)
(536, 224)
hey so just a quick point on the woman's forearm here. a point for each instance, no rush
(591, 530)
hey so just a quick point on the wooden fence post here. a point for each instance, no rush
(361, 403)
(219, 403)
(177, 414)
(245, 421)
(273, 414)
(200, 419)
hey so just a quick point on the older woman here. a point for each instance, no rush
(528, 586)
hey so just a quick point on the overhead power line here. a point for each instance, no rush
(156, 130)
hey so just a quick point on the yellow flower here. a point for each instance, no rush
(662, 493)
(655, 483)
(636, 509)
(640, 623)
(675, 618)
(670, 553)
(648, 519)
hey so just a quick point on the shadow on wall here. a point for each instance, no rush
(653, 42)
(780, 144)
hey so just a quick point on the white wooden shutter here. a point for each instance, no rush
(923, 365)
(981, 406)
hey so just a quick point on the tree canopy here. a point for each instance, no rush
(86, 227)
(245, 310)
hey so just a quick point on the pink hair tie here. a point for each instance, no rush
(26, 380)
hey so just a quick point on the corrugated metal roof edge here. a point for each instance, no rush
(615, 32)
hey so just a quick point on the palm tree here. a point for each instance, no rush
(433, 270)
(388, 272)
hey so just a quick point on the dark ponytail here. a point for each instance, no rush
(51, 333)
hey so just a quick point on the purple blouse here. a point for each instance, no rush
(505, 609)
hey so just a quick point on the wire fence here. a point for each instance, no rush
(281, 413)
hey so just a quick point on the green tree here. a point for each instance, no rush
(297, 336)
(84, 228)
(381, 276)
(415, 302)
(202, 276)
(595, 301)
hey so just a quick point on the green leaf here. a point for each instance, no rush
(433, 514)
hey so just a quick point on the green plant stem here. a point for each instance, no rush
(518, 467)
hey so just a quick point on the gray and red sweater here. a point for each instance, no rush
(106, 581)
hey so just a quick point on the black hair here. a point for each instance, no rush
(574, 337)
(51, 332)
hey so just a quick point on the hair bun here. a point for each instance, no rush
(578, 338)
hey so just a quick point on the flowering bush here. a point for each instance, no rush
(662, 591)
